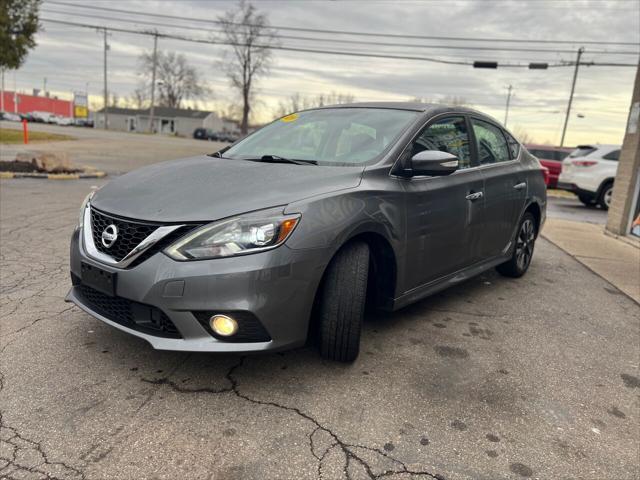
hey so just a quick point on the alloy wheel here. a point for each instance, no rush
(608, 195)
(524, 244)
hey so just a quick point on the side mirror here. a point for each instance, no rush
(434, 163)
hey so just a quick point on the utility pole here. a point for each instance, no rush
(573, 87)
(153, 80)
(506, 113)
(2, 90)
(106, 92)
(44, 87)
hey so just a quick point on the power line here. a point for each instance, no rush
(346, 32)
(319, 51)
(355, 42)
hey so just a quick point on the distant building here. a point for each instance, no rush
(22, 103)
(166, 120)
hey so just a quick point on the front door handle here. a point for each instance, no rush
(474, 196)
(520, 186)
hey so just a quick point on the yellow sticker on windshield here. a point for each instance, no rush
(290, 118)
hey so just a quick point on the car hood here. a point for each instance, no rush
(202, 189)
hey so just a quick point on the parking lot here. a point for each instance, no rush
(496, 378)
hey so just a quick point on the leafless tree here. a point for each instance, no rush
(176, 80)
(296, 102)
(139, 98)
(250, 37)
(521, 134)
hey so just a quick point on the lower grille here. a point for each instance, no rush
(134, 315)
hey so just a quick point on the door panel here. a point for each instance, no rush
(505, 186)
(505, 191)
(443, 226)
(442, 223)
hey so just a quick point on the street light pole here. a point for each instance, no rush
(573, 87)
(106, 92)
(506, 113)
(153, 81)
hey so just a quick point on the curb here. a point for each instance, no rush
(52, 176)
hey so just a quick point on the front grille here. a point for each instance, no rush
(134, 315)
(130, 233)
(249, 327)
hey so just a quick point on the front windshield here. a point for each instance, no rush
(333, 136)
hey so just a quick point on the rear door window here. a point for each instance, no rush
(613, 155)
(491, 143)
(582, 151)
(514, 146)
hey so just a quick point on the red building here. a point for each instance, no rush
(31, 103)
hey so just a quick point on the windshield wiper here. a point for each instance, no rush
(279, 159)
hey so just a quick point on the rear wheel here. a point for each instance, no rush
(342, 302)
(520, 260)
(605, 196)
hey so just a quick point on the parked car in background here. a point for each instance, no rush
(63, 121)
(202, 133)
(10, 117)
(550, 157)
(589, 172)
(42, 117)
(83, 122)
(28, 117)
(288, 234)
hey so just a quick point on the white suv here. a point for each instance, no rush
(589, 172)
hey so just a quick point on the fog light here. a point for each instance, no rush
(223, 325)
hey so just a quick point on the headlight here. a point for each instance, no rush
(240, 235)
(83, 207)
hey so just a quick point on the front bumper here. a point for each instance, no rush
(277, 287)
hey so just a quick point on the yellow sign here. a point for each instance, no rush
(80, 111)
(290, 118)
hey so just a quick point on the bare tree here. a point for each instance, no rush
(176, 80)
(522, 135)
(296, 102)
(139, 98)
(250, 37)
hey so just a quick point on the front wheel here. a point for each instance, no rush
(520, 260)
(342, 302)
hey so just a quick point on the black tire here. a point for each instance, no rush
(586, 199)
(520, 260)
(604, 199)
(342, 302)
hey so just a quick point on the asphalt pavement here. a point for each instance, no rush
(496, 378)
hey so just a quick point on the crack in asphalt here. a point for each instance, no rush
(11, 439)
(348, 450)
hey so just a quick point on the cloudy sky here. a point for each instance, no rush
(70, 56)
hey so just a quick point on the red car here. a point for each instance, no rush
(550, 157)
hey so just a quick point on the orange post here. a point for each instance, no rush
(25, 132)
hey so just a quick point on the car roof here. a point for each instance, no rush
(413, 106)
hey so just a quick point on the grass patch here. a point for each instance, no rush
(10, 136)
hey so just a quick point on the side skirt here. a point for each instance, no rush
(435, 286)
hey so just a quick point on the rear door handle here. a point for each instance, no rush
(474, 196)
(520, 186)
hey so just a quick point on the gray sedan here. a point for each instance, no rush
(291, 233)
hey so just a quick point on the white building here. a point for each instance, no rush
(166, 121)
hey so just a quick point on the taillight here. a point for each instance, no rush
(545, 175)
(584, 163)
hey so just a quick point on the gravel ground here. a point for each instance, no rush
(496, 378)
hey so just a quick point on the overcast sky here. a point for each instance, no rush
(69, 57)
